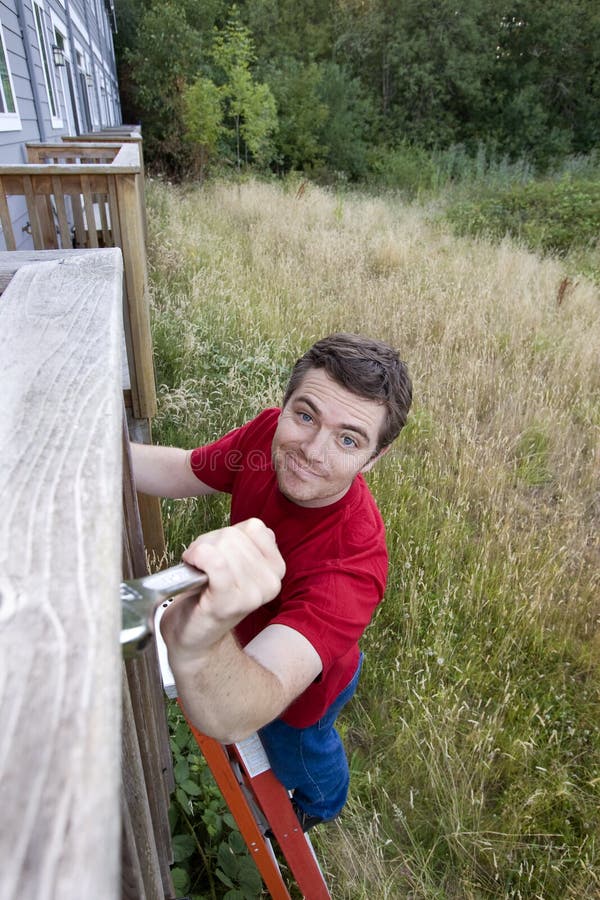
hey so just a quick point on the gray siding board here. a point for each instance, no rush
(91, 30)
(15, 49)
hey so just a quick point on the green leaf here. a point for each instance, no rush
(249, 877)
(182, 735)
(181, 771)
(191, 788)
(173, 816)
(182, 799)
(236, 842)
(228, 860)
(183, 847)
(224, 878)
(229, 820)
(181, 881)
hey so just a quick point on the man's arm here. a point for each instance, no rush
(228, 692)
(165, 472)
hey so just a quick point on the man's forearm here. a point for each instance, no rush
(165, 472)
(226, 693)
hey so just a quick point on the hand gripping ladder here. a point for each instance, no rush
(256, 799)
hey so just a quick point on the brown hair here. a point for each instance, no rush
(365, 366)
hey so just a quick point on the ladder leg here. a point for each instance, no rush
(275, 803)
(220, 766)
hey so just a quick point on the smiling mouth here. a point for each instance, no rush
(291, 463)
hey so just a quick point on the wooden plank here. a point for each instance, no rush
(124, 164)
(113, 207)
(60, 547)
(36, 153)
(32, 211)
(90, 216)
(147, 700)
(146, 692)
(80, 230)
(15, 260)
(41, 181)
(46, 220)
(131, 230)
(140, 431)
(61, 211)
(136, 798)
(101, 200)
(5, 220)
(132, 880)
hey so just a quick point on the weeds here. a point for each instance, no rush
(474, 739)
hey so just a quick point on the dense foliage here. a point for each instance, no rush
(554, 216)
(335, 87)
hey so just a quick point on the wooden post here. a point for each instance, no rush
(136, 286)
(60, 561)
(143, 693)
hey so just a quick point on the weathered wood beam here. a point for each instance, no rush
(60, 562)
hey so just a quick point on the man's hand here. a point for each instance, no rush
(244, 569)
(228, 692)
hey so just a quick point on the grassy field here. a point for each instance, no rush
(474, 739)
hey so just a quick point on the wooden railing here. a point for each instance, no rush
(91, 195)
(84, 810)
(88, 193)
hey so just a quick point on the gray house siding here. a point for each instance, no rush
(12, 140)
(84, 90)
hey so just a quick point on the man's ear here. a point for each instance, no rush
(371, 462)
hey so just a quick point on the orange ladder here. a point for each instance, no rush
(257, 801)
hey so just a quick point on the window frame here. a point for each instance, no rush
(9, 121)
(44, 49)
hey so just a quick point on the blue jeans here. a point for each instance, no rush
(312, 761)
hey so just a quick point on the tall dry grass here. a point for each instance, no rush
(474, 741)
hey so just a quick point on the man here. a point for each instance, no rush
(272, 644)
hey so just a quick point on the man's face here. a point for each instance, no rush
(325, 436)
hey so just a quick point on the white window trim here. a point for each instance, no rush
(61, 27)
(57, 121)
(9, 121)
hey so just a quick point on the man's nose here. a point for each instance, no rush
(315, 447)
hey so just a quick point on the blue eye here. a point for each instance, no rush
(348, 441)
(305, 417)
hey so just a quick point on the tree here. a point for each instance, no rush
(249, 105)
(302, 114)
(202, 119)
(165, 57)
(348, 127)
(548, 76)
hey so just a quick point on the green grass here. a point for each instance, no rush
(474, 739)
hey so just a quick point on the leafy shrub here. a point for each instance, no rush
(206, 840)
(555, 217)
(406, 168)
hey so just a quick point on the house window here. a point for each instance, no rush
(44, 53)
(9, 115)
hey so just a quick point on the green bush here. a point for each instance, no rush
(405, 168)
(553, 216)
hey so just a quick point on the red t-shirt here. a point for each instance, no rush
(335, 555)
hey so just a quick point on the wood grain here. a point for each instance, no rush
(60, 558)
